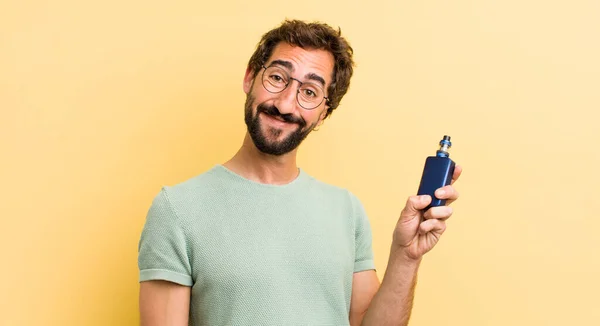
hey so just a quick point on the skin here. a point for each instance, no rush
(415, 234)
(388, 302)
(250, 162)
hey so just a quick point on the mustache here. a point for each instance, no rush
(273, 111)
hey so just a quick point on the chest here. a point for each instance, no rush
(253, 247)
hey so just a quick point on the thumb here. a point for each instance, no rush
(414, 205)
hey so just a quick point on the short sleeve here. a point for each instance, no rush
(364, 258)
(162, 249)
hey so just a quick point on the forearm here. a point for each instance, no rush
(392, 304)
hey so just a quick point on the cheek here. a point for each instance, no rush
(311, 118)
(319, 113)
(260, 94)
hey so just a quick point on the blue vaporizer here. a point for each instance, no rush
(437, 173)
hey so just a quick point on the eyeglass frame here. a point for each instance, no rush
(288, 84)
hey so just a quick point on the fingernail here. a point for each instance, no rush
(441, 193)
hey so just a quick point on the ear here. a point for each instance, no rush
(248, 78)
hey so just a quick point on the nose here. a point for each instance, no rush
(286, 100)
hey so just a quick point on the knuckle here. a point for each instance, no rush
(442, 226)
(413, 200)
(441, 212)
(427, 215)
(435, 212)
(447, 212)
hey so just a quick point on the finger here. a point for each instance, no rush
(447, 192)
(432, 225)
(457, 173)
(440, 213)
(415, 204)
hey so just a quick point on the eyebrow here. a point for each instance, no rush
(313, 76)
(284, 63)
(290, 66)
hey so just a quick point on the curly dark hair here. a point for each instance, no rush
(313, 35)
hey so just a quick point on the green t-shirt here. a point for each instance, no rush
(258, 254)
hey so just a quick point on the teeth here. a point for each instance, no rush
(278, 118)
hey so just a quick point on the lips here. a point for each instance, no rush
(277, 120)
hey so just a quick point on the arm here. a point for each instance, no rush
(165, 268)
(392, 304)
(164, 303)
(388, 303)
(364, 287)
(416, 233)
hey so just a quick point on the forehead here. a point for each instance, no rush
(305, 61)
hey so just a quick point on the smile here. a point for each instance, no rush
(277, 121)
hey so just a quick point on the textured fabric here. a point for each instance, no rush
(257, 254)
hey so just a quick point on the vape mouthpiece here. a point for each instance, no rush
(445, 145)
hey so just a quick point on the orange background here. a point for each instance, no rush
(102, 103)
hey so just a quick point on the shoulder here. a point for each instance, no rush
(204, 182)
(339, 194)
(191, 191)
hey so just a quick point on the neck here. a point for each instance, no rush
(257, 166)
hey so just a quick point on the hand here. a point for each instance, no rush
(417, 232)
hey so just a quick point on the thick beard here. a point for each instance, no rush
(258, 131)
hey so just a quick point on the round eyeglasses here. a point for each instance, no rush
(309, 95)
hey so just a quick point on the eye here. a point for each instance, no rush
(309, 92)
(276, 77)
